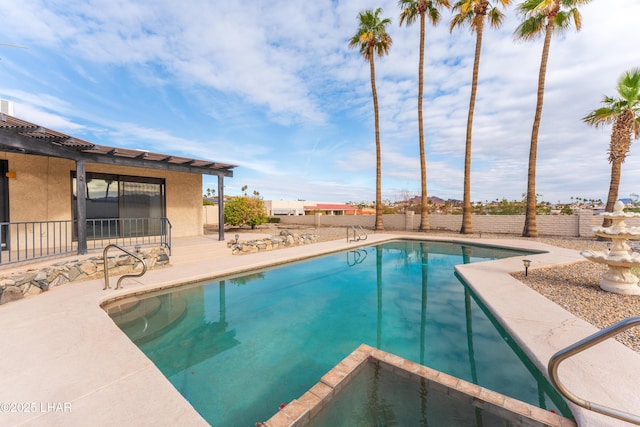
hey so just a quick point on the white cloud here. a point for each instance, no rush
(273, 87)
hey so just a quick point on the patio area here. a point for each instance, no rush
(66, 363)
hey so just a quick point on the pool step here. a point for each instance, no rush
(128, 313)
(146, 319)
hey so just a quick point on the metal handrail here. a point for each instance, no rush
(106, 266)
(580, 346)
(359, 255)
(32, 240)
(358, 233)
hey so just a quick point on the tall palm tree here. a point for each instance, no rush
(473, 12)
(542, 17)
(372, 39)
(624, 113)
(412, 10)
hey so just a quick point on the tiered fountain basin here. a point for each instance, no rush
(620, 257)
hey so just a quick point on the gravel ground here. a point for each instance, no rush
(574, 287)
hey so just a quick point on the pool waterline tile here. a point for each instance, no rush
(307, 407)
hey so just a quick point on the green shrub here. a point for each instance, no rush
(245, 210)
(566, 210)
(274, 220)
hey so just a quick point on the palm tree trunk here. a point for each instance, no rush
(614, 184)
(467, 227)
(424, 214)
(379, 224)
(530, 228)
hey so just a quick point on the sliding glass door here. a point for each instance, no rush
(120, 205)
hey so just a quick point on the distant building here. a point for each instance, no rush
(284, 207)
(302, 207)
(331, 209)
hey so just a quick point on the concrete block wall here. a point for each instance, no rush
(210, 215)
(577, 225)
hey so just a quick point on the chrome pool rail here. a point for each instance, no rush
(580, 346)
(106, 266)
(358, 233)
(356, 256)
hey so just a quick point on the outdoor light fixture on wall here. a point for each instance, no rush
(527, 263)
(11, 175)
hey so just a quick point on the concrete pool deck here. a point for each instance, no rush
(64, 362)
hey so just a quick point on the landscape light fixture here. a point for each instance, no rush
(527, 263)
(237, 237)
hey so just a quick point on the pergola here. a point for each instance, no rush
(19, 136)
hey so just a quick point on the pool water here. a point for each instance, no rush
(376, 396)
(237, 348)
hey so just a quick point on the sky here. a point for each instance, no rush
(272, 87)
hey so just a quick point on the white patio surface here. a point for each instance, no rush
(65, 363)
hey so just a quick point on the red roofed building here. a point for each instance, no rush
(331, 209)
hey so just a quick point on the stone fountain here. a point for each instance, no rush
(620, 258)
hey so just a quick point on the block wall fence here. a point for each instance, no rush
(577, 225)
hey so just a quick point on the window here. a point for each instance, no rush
(119, 205)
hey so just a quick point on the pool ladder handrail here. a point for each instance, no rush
(106, 266)
(580, 346)
(358, 233)
(359, 255)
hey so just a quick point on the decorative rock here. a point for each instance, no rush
(11, 293)
(34, 282)
(285, 239)
(26, 278)
(88, 268)
(42, 284)
(33, 290)
(123, 260)
(73, 274)
(151, 262)
(61, 279)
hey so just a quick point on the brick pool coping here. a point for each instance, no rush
(301, 411)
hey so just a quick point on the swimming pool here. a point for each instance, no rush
(237, 348)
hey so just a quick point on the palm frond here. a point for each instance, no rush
(628, 104)
(409, 12)
(531, 7)
(601, 116)
(468, 14)
(496, 17)
(577, 18)
(561, 22)
(573, 3)
(434, 15)
(371, 32)
(459, 20)
(531, 28)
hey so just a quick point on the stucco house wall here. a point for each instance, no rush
(41, 191)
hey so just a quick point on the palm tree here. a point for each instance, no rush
(542, 17)
(473, 12)
(624, 113)
(412, 10)
(372, 39)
